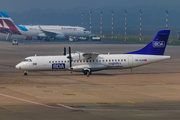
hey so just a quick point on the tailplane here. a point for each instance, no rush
(155, 47)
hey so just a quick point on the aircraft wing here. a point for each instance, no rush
(84, 56)
(50, 33)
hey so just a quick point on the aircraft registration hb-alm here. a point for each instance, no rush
(44, 31)
(90, 62)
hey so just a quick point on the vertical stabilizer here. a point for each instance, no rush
(155, 47)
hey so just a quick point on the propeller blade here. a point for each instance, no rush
(64, 51)
(70, 59)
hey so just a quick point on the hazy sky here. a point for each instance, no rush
(67, 12)
(25, 5)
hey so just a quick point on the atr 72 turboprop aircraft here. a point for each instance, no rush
(90, 62)
(44, 31)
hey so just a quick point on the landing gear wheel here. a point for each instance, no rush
(85, 72)
(25, 73)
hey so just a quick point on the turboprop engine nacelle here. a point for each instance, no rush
(78, 56)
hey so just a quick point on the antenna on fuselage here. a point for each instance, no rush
(64, 51)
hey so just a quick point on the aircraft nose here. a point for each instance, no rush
(18, 66)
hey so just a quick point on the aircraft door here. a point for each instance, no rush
(130, 60)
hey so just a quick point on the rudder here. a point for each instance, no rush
(155, 47)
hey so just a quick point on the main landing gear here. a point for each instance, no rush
(25, 73)
(87, 72)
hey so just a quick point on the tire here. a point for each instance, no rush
(85, 72)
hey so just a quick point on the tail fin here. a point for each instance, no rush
(1, 24)
(155, 47)
(8, 22)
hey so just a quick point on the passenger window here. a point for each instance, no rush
(121, 60)
(115, 60)
(93, 60)
(58, 61)
(52, 61)
(83, 60)
(61, 61)
(77, 61)
(99, 60)
(96, 60)
(118, 59)
(136, 60)
(80, 60)
(74, 61)
(106, 60)
(55, 61)
(49, 61)
(102, 60)
(112, 60)
(64, 61)
(124, 59)
(109, 60)
(86, 60)
(89, 60)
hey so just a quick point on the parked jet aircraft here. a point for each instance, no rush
(47, 31)
(90, 62)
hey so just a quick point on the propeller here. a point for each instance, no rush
(64, 51)
(70, 58)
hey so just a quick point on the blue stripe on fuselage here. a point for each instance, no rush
(23, 28)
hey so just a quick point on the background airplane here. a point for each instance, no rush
(8, 26)
(90, 62)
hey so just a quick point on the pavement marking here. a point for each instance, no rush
(40, 80)
(165, 81)
(17, 81)
(2, 75)
(66, 106)
(94, 93)
(131, 102)
(64, 86)
(28, 101)
(47, 90)
(68, 94)
(18, 75)
(41, 104)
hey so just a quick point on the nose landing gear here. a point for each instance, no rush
(25, 73)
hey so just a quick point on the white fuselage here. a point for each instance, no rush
(102, 62)
(33, 30)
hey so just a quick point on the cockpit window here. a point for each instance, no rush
(85, 30)
(27, 60)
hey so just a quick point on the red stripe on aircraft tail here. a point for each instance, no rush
(1, 22)
(12, 27)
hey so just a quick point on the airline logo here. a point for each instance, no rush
(6, 22)
(58, 66)
(63, 28)
(158, 44)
